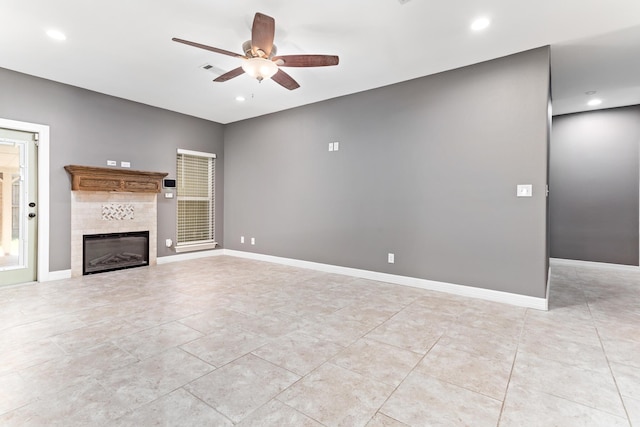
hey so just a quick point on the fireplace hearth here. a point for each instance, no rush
(114, 251)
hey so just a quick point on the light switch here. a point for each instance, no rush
(524, 190)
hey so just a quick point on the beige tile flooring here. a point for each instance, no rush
(225, 341)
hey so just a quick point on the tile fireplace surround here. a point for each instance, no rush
(100, 212)
(105, 200)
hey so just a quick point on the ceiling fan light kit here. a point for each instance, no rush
(259, 68)
(259, 60)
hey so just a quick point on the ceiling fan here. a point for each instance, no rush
(260, 60)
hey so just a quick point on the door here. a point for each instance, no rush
(18, 210)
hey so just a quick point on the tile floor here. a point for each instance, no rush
(225, 341)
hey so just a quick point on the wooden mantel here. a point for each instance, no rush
(91, 178)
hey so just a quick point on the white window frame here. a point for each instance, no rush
(201, 244)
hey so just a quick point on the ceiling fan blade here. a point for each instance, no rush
(229, 75)
(285, 80)
(210, 48)
(306, 60)
(262, 33)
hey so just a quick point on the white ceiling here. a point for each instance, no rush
(124, 48)
(608, 64)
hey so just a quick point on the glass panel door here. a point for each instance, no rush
(17, 207)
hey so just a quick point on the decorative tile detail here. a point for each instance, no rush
(117, 212)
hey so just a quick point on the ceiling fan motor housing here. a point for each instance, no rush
(247, 48)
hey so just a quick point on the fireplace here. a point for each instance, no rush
(114, 251)
(112, 200)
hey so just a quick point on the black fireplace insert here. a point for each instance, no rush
(114, 251)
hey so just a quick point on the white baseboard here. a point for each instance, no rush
(56, 275)
(591, 264)
(432, 285)
(451, 288)
(188, 256)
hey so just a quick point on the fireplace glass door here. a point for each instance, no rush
(114, 251)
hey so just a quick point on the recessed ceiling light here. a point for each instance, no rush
(56, 35)
(591, 92)
(480, 24)
(594, 102)
(240, 98)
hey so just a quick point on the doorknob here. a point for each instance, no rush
(32, 215)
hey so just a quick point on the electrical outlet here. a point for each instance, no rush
(241, 239)
(524, 190)
(331, 146)
(336, 146)
(391, 258)
(253, 240)
(125, 164)
(112, 163)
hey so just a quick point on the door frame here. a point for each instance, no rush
(42, 271)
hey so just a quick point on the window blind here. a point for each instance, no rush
(195, 194)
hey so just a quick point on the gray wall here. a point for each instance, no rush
(427, 170)
(594, 186)
(87, 128)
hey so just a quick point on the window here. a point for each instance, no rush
(195, 184)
